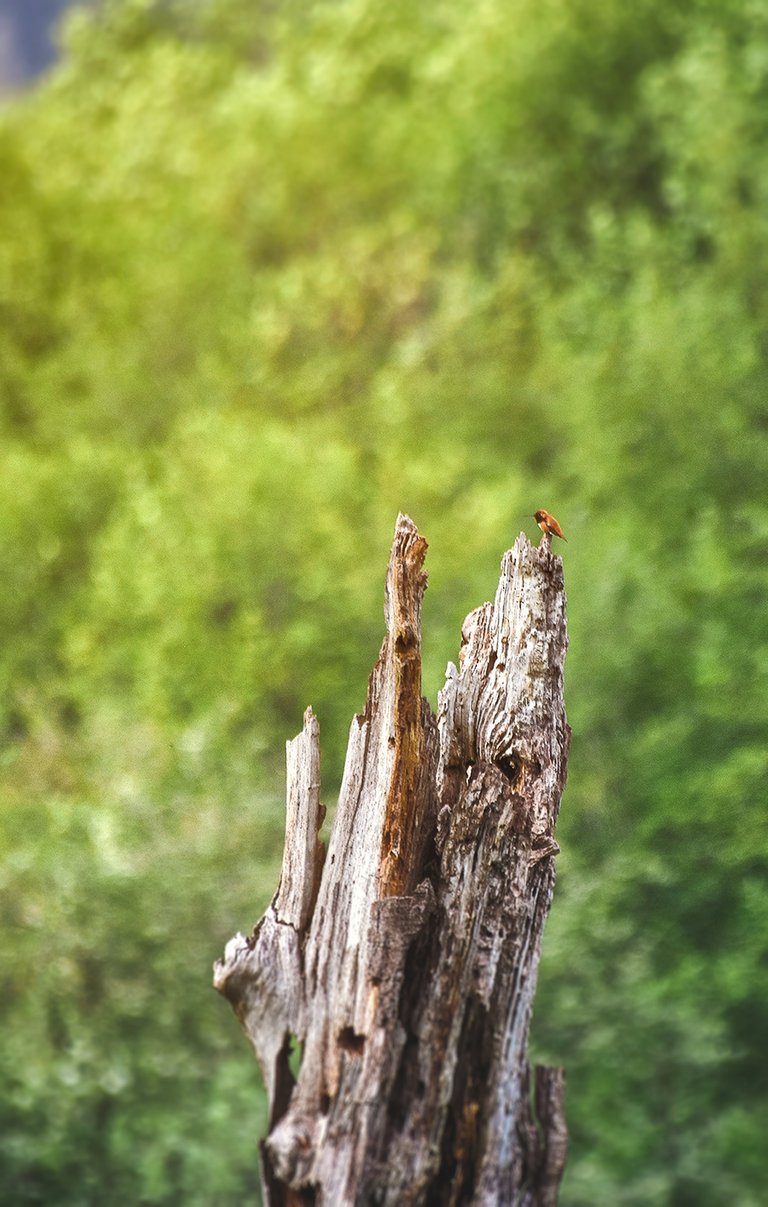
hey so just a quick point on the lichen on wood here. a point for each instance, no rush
(405, 962)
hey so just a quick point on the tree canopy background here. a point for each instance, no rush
(268, 274)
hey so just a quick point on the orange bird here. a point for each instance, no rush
(549, 525)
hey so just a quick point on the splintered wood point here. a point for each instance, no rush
(405, 961)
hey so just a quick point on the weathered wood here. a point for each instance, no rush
(406, 963)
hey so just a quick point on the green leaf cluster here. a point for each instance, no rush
(268, 275)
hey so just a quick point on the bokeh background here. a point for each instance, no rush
(269, 273)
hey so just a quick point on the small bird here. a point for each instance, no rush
(549, 525)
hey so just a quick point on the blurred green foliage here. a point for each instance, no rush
(269, 274)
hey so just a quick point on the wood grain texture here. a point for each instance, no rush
(406, 963)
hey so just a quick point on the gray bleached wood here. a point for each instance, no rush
(406, 963)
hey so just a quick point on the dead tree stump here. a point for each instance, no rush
(405, 962)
